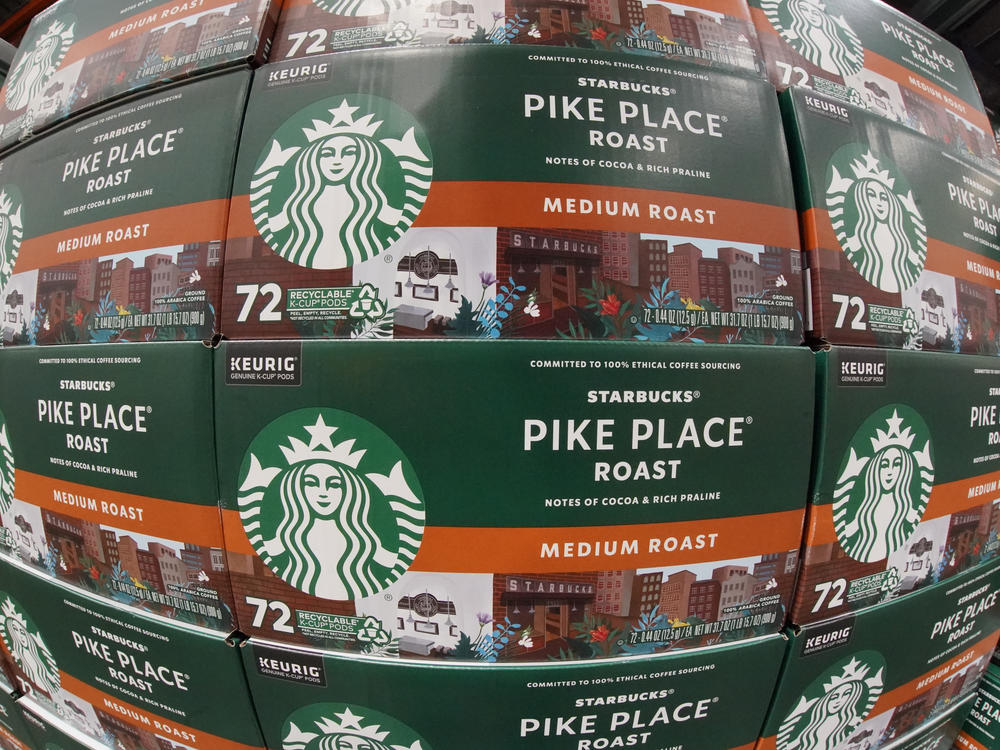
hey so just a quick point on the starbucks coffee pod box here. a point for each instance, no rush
(711, 699)
(871, 55)
(982, 729)
(936, 734)
(713, 32)
(900, 237)
(577, 195)
(78, 54)
(375, 502)
(874, 676)
(123, 678)
(109, 480)
(49, 732)
(112, 227)
(905, 477)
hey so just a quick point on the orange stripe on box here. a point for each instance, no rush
(945, 499)
(127, 712)
(502, 204)
(926, 88)
(965, 742)
(176, 225)
(101, 40)
(761, 24)
(460, 549)
(767, 743)
(167, 519)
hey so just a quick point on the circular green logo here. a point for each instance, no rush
(11, 231)
(824, 40)
(834, 704)
(330, 503)
(361, 7)
(884, 483)
(6, 468)
(39, 60)
(341, 181)
(340, 726)
(875, 218)
(26, 647)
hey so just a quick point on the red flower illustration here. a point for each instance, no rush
(94, 572)
(599, 635)
(611, 305)
(599, 34)
(78, 318)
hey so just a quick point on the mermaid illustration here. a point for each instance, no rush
(883, 254)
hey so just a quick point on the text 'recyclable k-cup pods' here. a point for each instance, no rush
(876, 676)
(123, 678)
(899, 236)
(719, 33)
(112, 227)
(583, 196)
(609, 509)
(78, 54)
(869, 54)
(108, 474)
(905, 482)
(711, 698)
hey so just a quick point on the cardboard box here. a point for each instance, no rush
(511, 192)
(982, 729)
(905, 477)
(876, 675)
(865, 183)
(109, 474)
(712, 699)
(718, 33)
(869, 54)
(120, 677)
(78, 54)
(607, 506)
(49, 731)
(113, 226)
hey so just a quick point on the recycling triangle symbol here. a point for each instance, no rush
(367, 305)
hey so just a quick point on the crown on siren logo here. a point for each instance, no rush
(333, 726)
(318, 511)
(334, 188)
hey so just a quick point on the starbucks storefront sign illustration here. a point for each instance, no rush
(884, 483)
(821, 38)
(875, 219)
(340, 726)
(341, 181)
(330, 504)
(25, 646)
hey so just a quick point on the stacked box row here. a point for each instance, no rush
(982, 729)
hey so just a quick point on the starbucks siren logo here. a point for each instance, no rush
(834, 705)
(337, 518)
(340, 182)
(824, 40)
(339, 726)
(876, 219)
(6, 468)
(27, 648)
(361, 7)
(11, 231)
(38, 64)
(884, 484)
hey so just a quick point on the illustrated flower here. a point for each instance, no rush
(195, 277)
(483, 618)
(122, 310)
(532, 309)
(600, 634)
(94, 572)
(400, 33)
(45, 325)
(610, 305)
(690, 304)
(78, 317)
(534, 31)
(599, 34)
(487, 279)
(676, 622)
(497, 15)
(526, 641)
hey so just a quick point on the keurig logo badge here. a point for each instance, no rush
(361, 7)
(38, 64)
(820, 38)
(884, 484)
(340, 182)
(330, 504)
(11, 231)
(875, 219)
(340, 726)
(834, 705)
(6, 467)
(27, 648)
